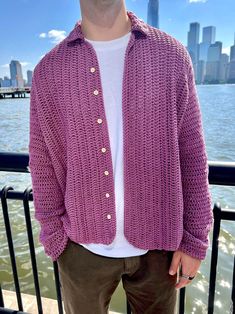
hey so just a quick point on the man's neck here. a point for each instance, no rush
(107, 23)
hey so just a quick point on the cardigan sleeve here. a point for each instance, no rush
(198, 214)
(47, 196)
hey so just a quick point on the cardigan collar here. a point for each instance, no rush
(137, 24)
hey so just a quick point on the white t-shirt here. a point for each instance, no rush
(110, 56)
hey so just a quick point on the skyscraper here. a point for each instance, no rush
(153, 13)
(208, 34)
(223, 68)
(193, 44)
(231, 71)
(232, 51)
(16, 74)
(201, 71)
(208, 38)
(29, 77)
(213, 62)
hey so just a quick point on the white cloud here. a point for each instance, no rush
(24, 63)
(43, 35)
(5, 65)
(197, 1)
(226, 50)
(55, 35)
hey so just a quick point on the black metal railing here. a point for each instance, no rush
(220, 173)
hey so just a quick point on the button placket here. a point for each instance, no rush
(103, 149)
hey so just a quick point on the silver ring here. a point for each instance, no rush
(187, 277)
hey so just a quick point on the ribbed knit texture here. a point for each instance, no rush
(167, 202)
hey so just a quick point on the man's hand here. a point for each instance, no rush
(189, 266)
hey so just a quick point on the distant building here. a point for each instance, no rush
(213, 63)
(193, 44)
(203, 51)
(201, 71)
(223, 68)
(16, 74)
(208, 38)
(231, 67)
(231, 72)
(208, 34)
(29, 77)
(6, 82)
(232, 51)
(153, 13)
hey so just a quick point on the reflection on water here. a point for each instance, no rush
(220, 146)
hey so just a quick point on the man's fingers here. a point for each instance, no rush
(184, 270)
(175, 263)
(188, 266)
(182, 282)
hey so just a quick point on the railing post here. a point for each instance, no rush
(214, 257)
(10, 244)
(1, 297)
(58, 289)
(232, 309)
(31, 248)
(182, 300)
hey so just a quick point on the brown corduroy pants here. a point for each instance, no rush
(88, 281)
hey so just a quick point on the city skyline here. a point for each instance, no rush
(211, 65)
(44, 39)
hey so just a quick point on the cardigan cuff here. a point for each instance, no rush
(55, 243)
(194, 246)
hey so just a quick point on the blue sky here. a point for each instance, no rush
(30, 28)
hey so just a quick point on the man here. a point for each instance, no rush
(118, 162)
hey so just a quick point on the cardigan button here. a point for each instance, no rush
(103, 149)
(106, 172)
(109, 216)
(107, 195)
(96, 92)
(92, 70)
(99, 121)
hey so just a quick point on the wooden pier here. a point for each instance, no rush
(14, 92)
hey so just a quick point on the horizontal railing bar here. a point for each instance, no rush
(14, 162)
(16, 195)
(228, 214)
(222, 172)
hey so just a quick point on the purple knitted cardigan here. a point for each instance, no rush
(167, 203)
